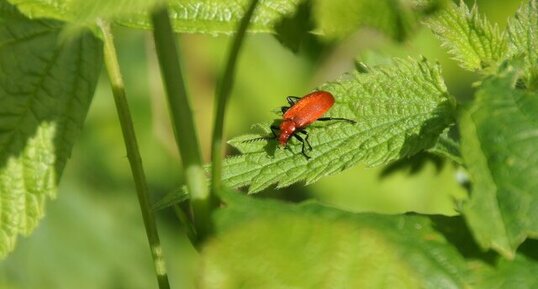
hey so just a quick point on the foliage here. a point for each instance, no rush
(328, 248)
(503, 170)
(402, 109)
(474, 42)
(45, 90)
(415, 110)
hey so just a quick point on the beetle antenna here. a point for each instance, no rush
(258, 139)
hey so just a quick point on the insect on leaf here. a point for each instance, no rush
(399, 109)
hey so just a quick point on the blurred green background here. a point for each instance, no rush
(93, 236)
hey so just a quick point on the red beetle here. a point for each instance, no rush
(301, 113)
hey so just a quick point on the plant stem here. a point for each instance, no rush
(202, 201)
(221, 98)
(118, 90)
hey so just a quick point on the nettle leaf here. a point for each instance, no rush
(400, 110)
(218, 16)
(293, 30)
(45, 91)
(396, 18)
(523, 38)
(448, 145)
(81, 11)
(311, 246)
(499, 144)
(470, 38)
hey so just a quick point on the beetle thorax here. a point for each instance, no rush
(287, 128)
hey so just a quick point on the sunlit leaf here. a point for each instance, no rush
(190, 16)
(523, 36)
(400, 110)
(81, 11)
(469, 37)
(218, 16)
(267, 244)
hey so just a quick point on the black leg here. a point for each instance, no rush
(302, 149)
(306, 138)
(274, 130)
(292, 99)
(284, 109)
(337, 118)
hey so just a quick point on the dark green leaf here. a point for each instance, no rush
(45, 91)
(291, 31)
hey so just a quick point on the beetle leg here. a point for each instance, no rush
(306, 138)
(274, 130)
(292, 99)
(337, 118)
(302, 149)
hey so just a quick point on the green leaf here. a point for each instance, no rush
(293, 30)
(218, 16)
(267, 244)
(7, 11)
(172, 198)
(448, 145)
(81, 11)
(396, 18)
(470, 38)
(498, 145)
(45, 91)
(519, 273)
(400, 110)
(523, 38)
(189, 16)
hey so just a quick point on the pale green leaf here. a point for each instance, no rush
(81, 11)
(499, 141)
(474, 42)
(267, 244)
(523, 38)
(191, 16)
(399, 109)
(45, 92)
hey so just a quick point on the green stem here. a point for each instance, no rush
(202, 201)
(118, 90)
(221, 98)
